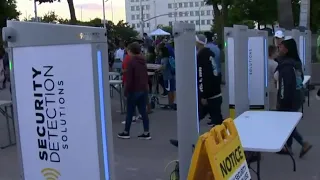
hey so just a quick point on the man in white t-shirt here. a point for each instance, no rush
(119, 54)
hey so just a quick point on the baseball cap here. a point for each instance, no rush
(279, 34)
(202, 39)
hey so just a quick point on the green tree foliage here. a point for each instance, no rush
(8, 10)
(73, 18)
(165, 28)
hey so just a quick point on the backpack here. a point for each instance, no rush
(172, 65)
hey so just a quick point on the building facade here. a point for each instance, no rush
(166, 12)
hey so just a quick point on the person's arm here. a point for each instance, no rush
(287, 87)
(130, 78)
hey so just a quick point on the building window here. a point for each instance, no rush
(203, 22)
(191, 4)
(132, 8)
(208, 12)
(202, 13)
(169, 6)
(143, 7)
(191, 13)
(209, 22)
(175, 5)
(138, 8)
(170, 15)
(186, 21)
(197, 22)
(186, 13)
(147, 16)
(133, 25)
(180, 14)
(138, 25)
(196, 4)
(185, 4)
(192, 22)
(132, 0)
(148, 25)
(147, 7)
(202, 3)
(197, 13)
(175, 14)
(133, 17)
(170, 23)
(138, 16)
(137, 0)
(180, 5)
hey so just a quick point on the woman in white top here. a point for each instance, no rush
(272, 84)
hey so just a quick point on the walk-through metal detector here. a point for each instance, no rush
(186, 84)
(303, 40)
(258, 69)
(236, 55)
(60, 94)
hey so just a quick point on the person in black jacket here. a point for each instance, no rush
(290, 88)
(209, 83)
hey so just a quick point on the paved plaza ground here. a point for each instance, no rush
(146, 160)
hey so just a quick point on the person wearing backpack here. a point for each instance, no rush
(290, 96)
(168, 73)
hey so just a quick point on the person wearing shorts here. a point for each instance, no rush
(168, 77)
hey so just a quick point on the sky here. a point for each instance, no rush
(90, 9)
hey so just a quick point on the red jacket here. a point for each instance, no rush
(136, 75)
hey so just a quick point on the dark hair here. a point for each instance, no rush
(151, 50)
(164, 52)
(291, 45)
(271, 50)
(209, 36)
(145, 34)
(134, 48)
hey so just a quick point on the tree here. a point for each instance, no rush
(50, 17)
(285, 17)
(71, 9)
(8, 10)
(165, 28)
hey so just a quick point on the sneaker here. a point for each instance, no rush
(211, 124)
(305, 149)
(164, 95)
(139, 117)
(134, 120)
(145, 136)
(124, 135)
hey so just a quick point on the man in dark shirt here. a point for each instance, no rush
(209, 83)
(136, 91)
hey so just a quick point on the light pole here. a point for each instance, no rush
(200, 18)
(141, 16)
(104, 13)
(35, 11)
(111, 10)
(155, 14)
(175, 10)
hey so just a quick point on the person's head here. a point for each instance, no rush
(164, 52)
(151, 50)
(209, 36)
(201, 41)
(278, 37)
(145, 35)
(121, 44)
(272, 51)
(288, 48)
(134, 49)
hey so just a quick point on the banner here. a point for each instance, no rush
(56, 112)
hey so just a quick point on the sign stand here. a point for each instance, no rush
(219, 155)
(236, 45)
(61, 100)
(186, 78)
(258, 69)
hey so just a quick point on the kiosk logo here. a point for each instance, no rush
(50, 174)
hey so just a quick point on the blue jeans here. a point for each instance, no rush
(295, 135)
(139, 100)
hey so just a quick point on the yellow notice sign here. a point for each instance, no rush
(219, 155)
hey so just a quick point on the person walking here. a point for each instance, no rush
(136, 91)
(290, 97)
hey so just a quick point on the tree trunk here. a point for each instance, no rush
(218, 23)
(73, 18)
(285, 17)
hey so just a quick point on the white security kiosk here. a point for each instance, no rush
(236, 47)
(60, 94)
(187, 96)
(258, 69)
